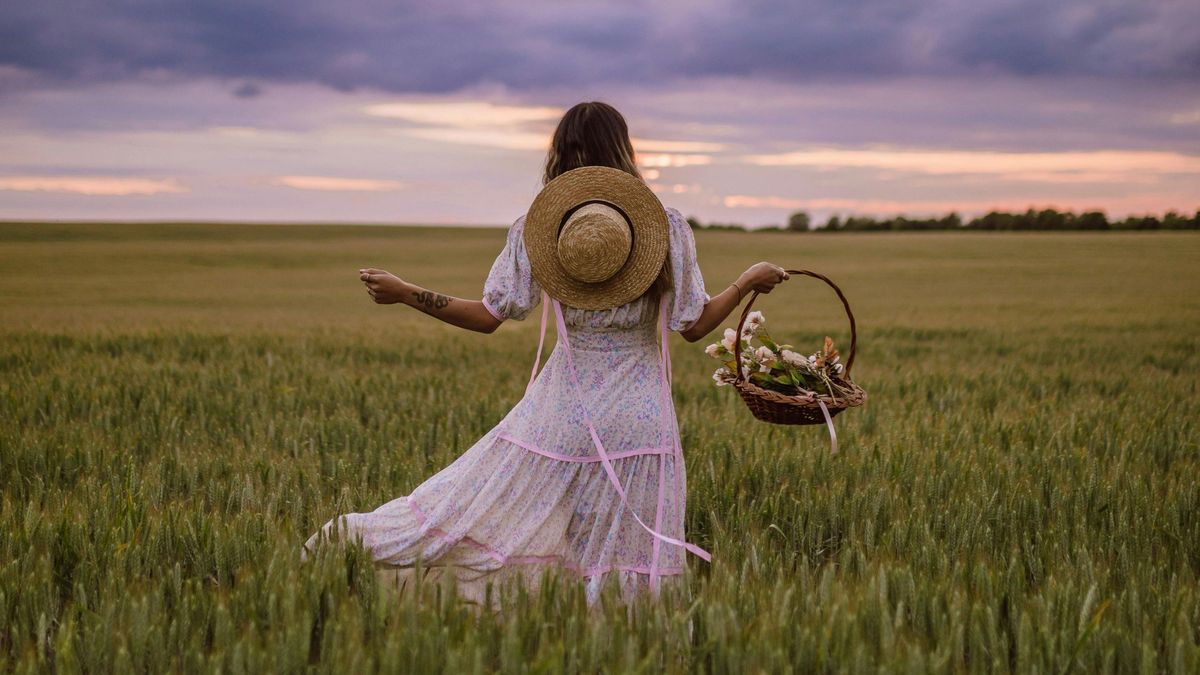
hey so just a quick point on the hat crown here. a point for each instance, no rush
(594, 243)
(596, 222)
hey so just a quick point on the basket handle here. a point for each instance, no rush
(737, 343)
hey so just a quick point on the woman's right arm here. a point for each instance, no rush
(761, 277)
(386, 289)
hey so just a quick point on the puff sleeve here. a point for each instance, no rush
(688, 297)
(510, 291)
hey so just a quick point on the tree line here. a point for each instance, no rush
(1032, 219)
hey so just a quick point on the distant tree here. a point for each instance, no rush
(1138, 223)
(1026, 221)
(863, 224)
(993, 220)
(799, 221)
(1030, 219)
(1173, 221)
(725, 226)
(694, 222)
(1049, 219)
(1092, 220)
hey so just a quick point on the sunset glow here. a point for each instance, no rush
(338, 184)
(1098, 166)
(737, 113)
(90, 185)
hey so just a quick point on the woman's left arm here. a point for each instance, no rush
(387, 289)
(761, 277)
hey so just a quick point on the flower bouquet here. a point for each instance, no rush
(779, 384)
(778, 367)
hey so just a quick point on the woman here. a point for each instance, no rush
(585, 474)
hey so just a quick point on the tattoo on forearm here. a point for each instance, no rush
(430, 300)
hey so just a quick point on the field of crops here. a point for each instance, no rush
(182, 405)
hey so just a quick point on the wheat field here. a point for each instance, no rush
(183, 404)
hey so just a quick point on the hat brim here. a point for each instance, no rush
(648, 227)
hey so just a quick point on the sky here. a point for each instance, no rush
(741, 110)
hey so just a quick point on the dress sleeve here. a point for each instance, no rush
(688, 297)
(510, 291)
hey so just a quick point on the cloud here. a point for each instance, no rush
(492, 138)
(665, 160)
(655, 145)
(90, 185)
(336, 184)
(472, 122)
(514, 127)
(416, 46)
(991, 141)
(247, 90)
(463, 113)
(1050, 167)
(1187, 117)
(675, 188)
(854, 205)
(1137, 203)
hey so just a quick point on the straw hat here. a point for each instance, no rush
(596, 237)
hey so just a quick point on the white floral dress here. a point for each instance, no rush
(585, 473)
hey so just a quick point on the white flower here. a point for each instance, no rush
(838, 368)
(755, 320)
(713, 350)
(730, 338)
(765, 355)
(793, 359)
(721, 376)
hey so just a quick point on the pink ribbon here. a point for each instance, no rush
(829, 423)
(604, 457)
(537, 360)
(669, 427)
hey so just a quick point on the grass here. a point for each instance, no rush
(181, 405)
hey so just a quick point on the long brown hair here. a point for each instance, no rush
(594, 133)
(590, 134)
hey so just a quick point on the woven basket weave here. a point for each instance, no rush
(804, 408)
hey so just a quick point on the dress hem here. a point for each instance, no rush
(504, 559)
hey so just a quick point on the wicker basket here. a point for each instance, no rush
(804, 408)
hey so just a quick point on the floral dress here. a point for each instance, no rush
(584, 474)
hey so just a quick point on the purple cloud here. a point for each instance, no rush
(445, 46)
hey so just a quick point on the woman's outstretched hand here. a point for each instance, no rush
(384, 287)
(762, 277)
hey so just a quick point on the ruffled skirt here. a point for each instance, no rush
(533, 494)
